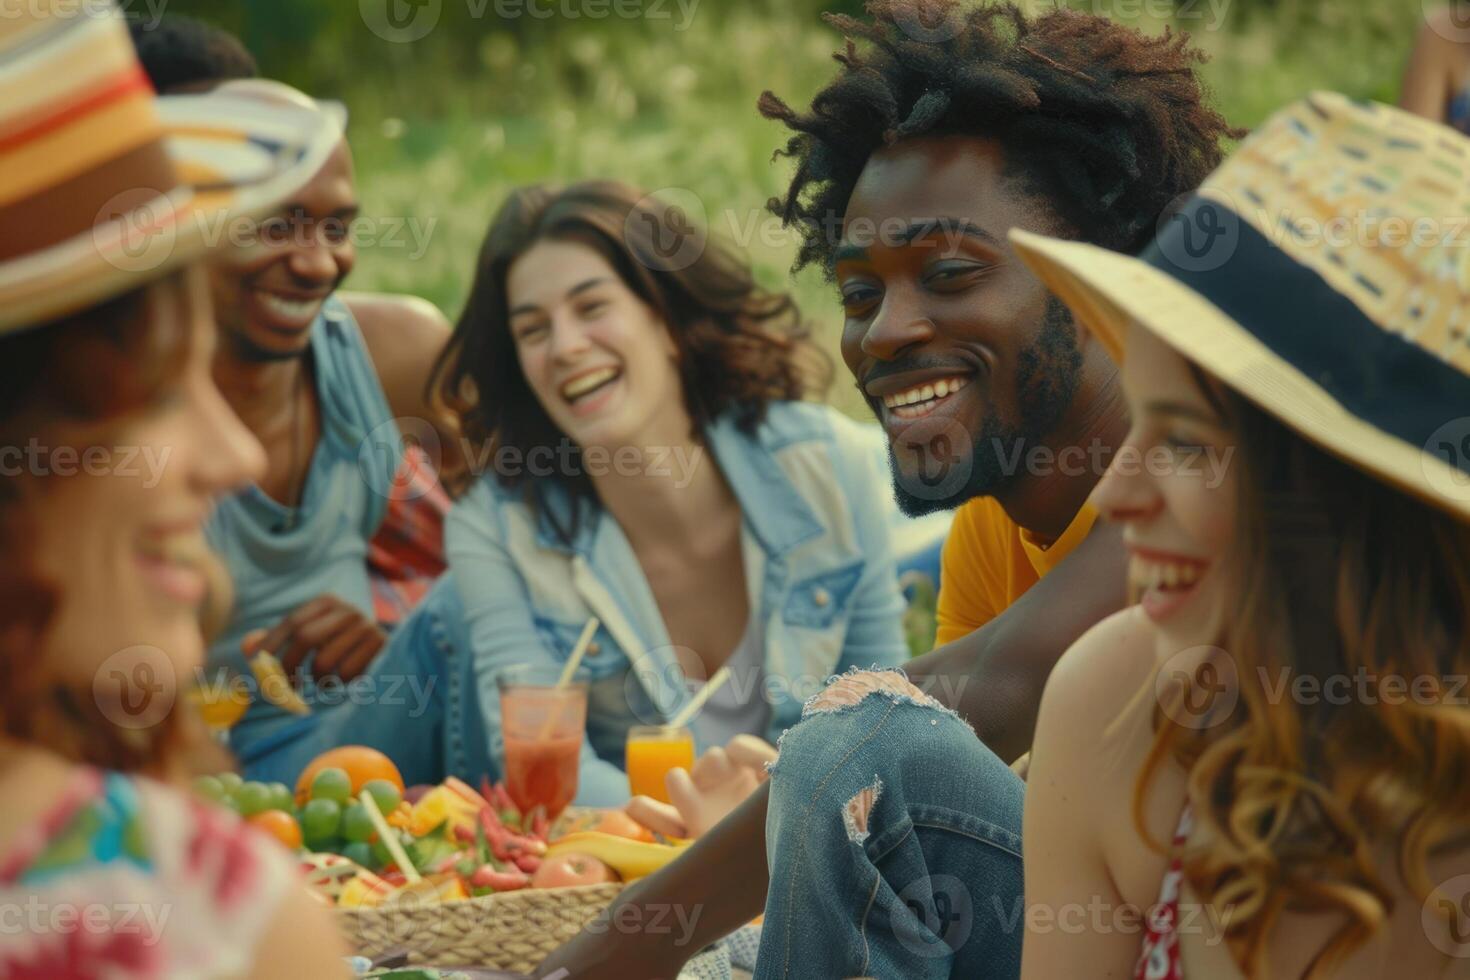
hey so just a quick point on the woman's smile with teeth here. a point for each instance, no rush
(1149, 573)
(921, 399)
(585, 384)
(1164, 583)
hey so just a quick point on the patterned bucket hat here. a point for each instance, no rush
(105, 187)
(1322, 271)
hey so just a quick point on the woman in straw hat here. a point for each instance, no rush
(1263, 767)
(114, 443)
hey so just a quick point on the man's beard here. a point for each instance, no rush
(1048, 373)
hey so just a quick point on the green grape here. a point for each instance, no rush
(384, 793)
(360, 853)
(231, 781)
(210, 788)
(252, 798)
(356, 824)
(333, 784)
(381, 855)
(281, 797)
(320, 820)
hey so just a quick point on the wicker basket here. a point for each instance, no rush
(511, 931)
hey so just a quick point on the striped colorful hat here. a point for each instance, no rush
(1322, 271)
(103, 186)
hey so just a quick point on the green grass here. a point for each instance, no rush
(639, 101)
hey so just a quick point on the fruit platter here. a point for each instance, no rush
(452, 875)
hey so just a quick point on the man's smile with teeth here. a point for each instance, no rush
(285, 306)
(920, 399)
(587, 383)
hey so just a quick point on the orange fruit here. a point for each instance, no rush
(361, 764)
(280, 825)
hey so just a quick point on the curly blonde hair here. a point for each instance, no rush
(1334, 574)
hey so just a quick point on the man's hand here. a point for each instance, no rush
(719, 782)
(345, 640)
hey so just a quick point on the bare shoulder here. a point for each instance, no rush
(1105, 668)
(1088, 711)
(404, 335)
(1442, 35)
(390, 320)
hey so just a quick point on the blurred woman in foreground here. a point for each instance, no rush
(117, 443)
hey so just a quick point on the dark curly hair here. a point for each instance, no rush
(739, 347)
(1104, 124)
(181, 54)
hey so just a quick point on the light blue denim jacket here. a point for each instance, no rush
(816, 495)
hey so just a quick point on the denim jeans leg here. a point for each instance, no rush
(415, 703)
(894, 843)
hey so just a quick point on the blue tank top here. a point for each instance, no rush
(280, 557)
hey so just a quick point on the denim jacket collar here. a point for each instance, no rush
(773, 510)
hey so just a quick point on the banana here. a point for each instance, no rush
(629, 858)
(275, 684)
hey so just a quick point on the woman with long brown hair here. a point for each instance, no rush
(633, 399)
(1261, 768)
(114, 442)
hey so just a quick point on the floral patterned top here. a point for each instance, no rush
(128, 879)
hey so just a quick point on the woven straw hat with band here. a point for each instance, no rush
(1323, 272)
(103, 186)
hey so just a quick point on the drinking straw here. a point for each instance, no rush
(575, 660)
(389, 839)
(700, 697)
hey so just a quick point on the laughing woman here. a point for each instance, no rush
(1269, 752)
(637, 396)
(106, 337)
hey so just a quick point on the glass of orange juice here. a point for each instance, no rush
(653, 750)
(543, 726)
(221, 700)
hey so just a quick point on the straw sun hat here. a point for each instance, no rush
(1322, 271)
(103, 186)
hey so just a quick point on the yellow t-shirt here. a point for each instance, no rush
(990, 561)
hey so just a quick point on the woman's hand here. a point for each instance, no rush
(719, 782)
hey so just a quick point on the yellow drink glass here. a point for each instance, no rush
(654, 750)
(221, 700)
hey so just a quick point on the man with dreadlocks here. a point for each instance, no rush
(953, 126)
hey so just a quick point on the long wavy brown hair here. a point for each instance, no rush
(739, 346)
(96, 366)
(1334, 574)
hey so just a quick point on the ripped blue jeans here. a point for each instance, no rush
(894, 843)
